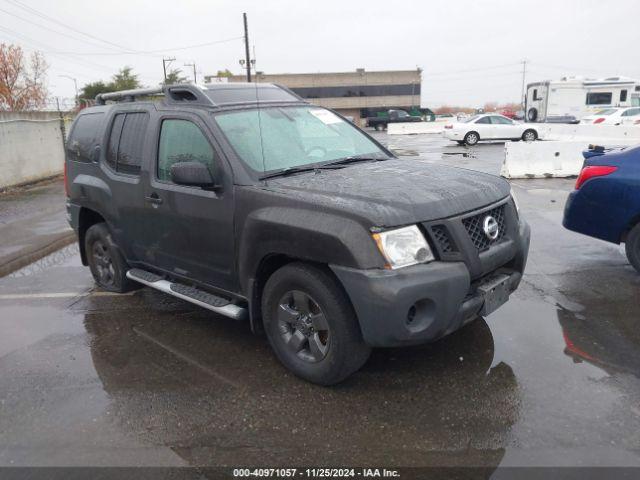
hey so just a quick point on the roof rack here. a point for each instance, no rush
(216, 95)
(127, 95)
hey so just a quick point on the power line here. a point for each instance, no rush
(47, 28)
(144, 52)
(42, 15)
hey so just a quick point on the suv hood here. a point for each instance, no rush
(394, 192)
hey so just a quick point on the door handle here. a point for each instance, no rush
(153, 199)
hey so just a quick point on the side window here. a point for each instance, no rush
(114, 140)
(500, 121)
(535, 94)
(484, 120)
(126, 142)
(182, 141)
(623, 95)
(599, 98)
(84, 137)
(132, 143)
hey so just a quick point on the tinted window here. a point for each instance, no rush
(182, 141)
(632, 112)
(114, 140)
(132, 143)
(500, 121)
(623, 95)
(85, 135)
(126, 141)
(599, 98)
(484, 120)
(358, 91)
(535, 94)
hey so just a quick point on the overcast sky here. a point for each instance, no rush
(470, 50)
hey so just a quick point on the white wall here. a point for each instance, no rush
(30, 150)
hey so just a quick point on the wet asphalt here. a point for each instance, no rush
(550, 379)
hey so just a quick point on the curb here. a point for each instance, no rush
(25, 259)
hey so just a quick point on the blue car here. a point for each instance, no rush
(606, 201)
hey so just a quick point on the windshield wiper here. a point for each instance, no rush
(354, 159)
(287, 171)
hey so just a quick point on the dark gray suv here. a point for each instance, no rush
(248, 201)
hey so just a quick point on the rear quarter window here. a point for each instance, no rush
(84, 136)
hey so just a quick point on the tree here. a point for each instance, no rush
(224, 73)
(21, 79)
(175, 76)
(90, 90)
(125, 80)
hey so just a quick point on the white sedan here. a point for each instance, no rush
(489, 126)
(614, 116)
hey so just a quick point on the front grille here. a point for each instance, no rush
(474, 226)
(441, 236)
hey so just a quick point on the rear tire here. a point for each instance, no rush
(311, 324)
(108, 266)
(632, 247)
(471, 138)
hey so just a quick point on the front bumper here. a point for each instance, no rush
(421, 303)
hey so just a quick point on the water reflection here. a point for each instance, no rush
(216, 395)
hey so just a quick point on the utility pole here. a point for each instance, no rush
(195, 79)
(165, 62)
(524, 73)
(246, 47)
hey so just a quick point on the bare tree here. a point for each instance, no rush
(21, 79)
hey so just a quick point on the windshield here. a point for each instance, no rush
(276, 138)
(607, 111)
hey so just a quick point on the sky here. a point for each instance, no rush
(470, 51)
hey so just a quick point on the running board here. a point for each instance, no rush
(193, 295)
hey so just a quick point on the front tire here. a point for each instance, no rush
(108, 266)
(311, 324)
(529, 136)
(471, 138)
(632, 247)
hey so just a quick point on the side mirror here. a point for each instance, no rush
(194, 174)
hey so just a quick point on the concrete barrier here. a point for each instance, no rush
(546, 159)
(588, 133)
(30, 150)
(414, 128)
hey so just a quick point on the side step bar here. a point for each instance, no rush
(190, 294)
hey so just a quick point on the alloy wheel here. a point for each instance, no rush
(303, 326)
(103, 263)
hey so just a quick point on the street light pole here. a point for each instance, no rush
(75, 85)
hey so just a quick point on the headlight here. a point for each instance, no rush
(403, 247)
(515, 200)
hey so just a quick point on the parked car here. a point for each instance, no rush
(446, 117)
(380, 122)
(488, 126)
(606, 201)
(614, 116)
(509, 114)
(284, 214)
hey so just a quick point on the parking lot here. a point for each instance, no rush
(550, 379)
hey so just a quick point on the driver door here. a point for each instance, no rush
(189, 230)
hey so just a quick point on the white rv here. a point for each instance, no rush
(577, 97)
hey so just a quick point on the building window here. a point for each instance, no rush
(623, 95)
(358, 91)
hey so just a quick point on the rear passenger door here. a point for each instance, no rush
(121, 164)
(189, 230)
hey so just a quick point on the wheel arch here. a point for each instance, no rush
(630, 226)
(87, 218)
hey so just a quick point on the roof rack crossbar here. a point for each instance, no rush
(101, 98)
